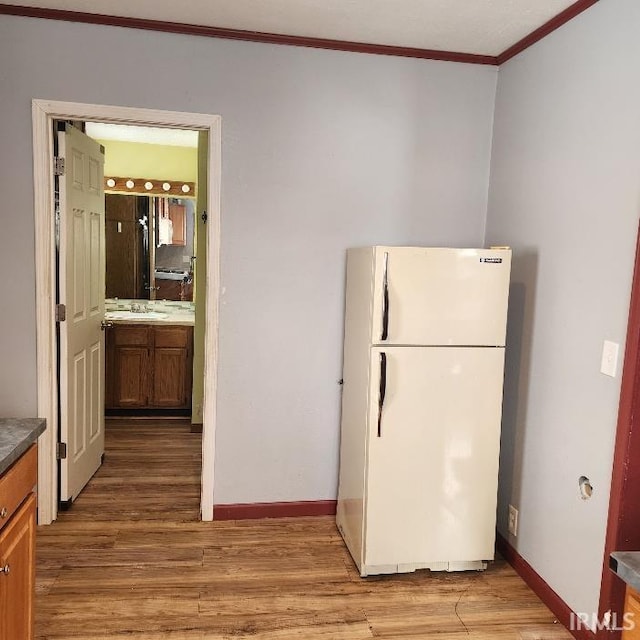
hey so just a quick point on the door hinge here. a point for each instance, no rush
(61, 313)
(61, 451)
(58, 166)
(204, 217)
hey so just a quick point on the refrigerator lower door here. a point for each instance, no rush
(433, 448)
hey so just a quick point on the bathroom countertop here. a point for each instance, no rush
(159, 312)
(626, 565)
(184, 319)
(16, 436)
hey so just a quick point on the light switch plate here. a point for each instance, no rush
(609, 364)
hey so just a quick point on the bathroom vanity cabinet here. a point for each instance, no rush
(148, 366)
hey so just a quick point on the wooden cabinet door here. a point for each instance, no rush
(169, 388)
(129, 366)
(178, 217)
(167, 289)
(17, 580)
(131, 376)
(172, 367)
(631, 621)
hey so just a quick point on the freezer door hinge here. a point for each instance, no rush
(61, 313)
(58, 166)
(61, 451)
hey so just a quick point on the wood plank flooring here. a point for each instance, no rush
(131, 560)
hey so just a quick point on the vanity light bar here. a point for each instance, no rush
(114, 184)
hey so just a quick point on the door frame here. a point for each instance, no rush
(623, 523)
(44, 112)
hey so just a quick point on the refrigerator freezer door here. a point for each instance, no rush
(433, 464)
(433, 296)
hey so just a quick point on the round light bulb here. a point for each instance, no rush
(148, 186)
(130, 184)
(185, 188)
(166, 186)
(111, 183)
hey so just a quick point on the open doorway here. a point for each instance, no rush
(132, 307)
(44, 114)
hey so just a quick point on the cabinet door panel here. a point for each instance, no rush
(432, 470)
(132, 367)
(169, 380)
(17, 552)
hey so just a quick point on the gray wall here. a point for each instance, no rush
(321, 150)
(565, 193)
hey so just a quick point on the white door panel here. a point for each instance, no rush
(81, 278)
(432, 471)
(437, 296)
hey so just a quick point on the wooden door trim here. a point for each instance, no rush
(624, 500)
(43, 113)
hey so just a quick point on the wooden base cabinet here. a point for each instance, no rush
(149, 367)
(631, 622)
(17, 548)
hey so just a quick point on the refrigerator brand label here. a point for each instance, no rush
(491, 260)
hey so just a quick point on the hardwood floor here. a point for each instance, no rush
(131, 560)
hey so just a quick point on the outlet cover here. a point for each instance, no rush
(513, 520)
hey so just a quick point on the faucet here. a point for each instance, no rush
(137, 307)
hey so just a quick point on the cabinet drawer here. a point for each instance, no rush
(127, 335)
(172, 337)
(17, 483)
(17, 586)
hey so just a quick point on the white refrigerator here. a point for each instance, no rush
(421, 406)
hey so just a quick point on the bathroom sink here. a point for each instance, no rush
(135, 315)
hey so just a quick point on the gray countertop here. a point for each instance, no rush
(16, 436)
(626, 565)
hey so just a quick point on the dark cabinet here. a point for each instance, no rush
(149, 367)
(172, 367)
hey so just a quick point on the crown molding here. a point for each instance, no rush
(301, 41)
(541, 32)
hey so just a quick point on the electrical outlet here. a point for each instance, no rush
(513, 520)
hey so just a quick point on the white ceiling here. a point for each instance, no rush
(148, 135)
(486, 27)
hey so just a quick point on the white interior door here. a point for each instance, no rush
(438, 296)
(433, 456)
(82, 287)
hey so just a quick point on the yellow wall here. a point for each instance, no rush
(159, 162)
(200, 285)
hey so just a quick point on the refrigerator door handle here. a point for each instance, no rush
(385, 298)
(383, 390)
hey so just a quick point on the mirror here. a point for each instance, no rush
(149, 247)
